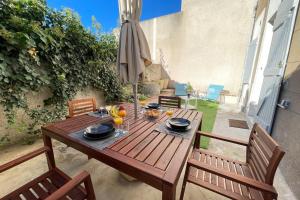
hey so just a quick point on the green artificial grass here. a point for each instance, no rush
(209, 110)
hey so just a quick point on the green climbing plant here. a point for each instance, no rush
(42, 47)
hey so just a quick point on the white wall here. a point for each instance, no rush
(205, 43)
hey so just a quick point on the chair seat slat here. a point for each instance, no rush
(28, 195)
(232, 189)
(244, 189)
(39, 191)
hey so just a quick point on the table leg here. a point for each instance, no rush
(168, 192)
(49, 154)
(200, 126)
(184, 182)
(197, 138)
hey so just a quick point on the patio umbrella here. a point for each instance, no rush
(134, 54)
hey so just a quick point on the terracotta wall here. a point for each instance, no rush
(286, 128)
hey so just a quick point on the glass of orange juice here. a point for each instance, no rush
(169, 113)
(122, 113)
(118, 121)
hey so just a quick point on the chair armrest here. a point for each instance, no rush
(234, 177)
(22, 159)
(83, 177)
(226, 139)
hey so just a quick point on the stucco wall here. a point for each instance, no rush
(35, 99)
(286, 128)
(205, 43)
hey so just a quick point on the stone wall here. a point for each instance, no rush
(153, 73)
(205, 43)
(35, 99)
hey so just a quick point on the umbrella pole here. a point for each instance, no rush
(134, 86)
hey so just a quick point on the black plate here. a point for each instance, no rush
(99, 131)
(98, 138)
(153, 106)
(179, 123)
(178, 130)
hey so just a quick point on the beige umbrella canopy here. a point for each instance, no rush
(134, 54)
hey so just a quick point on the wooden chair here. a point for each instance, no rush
(169, 101)
(81, 106)
(52, 185)
(248, 180)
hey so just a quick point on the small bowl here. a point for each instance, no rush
(179, 123)
(153, 106)
(152, 113)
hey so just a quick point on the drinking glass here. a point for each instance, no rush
(118, 121)
(169, 113)
(142, 105)
(102, 111)
(125, 127)
(122, 113)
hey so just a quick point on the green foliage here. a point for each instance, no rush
(127, 94)
(143, 97)
(41, 47)
(189, 88)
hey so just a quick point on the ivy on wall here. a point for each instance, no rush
(41, 47)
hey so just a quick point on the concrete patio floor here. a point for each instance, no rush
(107, 181)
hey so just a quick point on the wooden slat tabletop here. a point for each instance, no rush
(145, 153)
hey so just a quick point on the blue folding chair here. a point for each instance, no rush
(213, 92)
(180, 89)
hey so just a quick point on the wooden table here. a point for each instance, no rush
(153, 157)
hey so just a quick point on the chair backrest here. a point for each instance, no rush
(81, 106)
(180, 89)
(169, 101)
(263, 154)
(214, 91)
